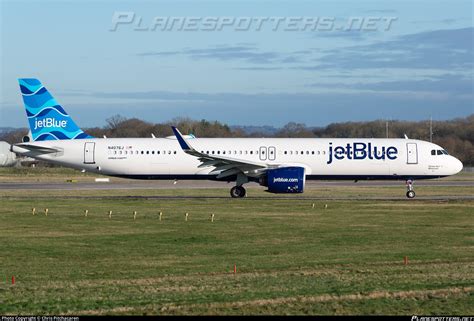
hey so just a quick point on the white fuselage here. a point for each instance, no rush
(322, 158)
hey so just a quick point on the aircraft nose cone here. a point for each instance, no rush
(457, 165)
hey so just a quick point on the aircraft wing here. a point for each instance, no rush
(224, 166)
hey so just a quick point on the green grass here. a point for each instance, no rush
(291, 258)
(44, 174)
(253, 191)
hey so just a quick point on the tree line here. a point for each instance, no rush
(456, 136)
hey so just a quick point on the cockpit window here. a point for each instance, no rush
(435, 152)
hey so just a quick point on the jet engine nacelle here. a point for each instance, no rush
(284, 180)
(7, 158)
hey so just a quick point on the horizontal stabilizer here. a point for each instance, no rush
(24, 148)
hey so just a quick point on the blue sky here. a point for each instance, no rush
(421, 66)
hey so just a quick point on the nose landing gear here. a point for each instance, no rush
(410, 191)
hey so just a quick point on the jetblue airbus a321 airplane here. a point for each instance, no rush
(281, 164)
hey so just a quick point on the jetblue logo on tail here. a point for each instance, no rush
(47, 119)
(49, 123)
(359, 151)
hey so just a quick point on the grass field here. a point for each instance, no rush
(291, 258)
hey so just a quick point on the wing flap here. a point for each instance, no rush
(229, 172)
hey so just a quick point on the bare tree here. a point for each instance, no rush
(114, 122)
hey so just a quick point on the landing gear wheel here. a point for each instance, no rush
(411, 194)
(237, 192)
(410, 191)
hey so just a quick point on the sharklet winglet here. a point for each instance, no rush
(182, 142)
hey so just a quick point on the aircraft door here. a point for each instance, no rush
(271, 153)
(412, 153)
(263, 153)
(89, 149)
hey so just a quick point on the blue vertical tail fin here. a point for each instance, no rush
(47, 119)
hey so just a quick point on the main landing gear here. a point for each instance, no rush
(410, 191)
(238, 191)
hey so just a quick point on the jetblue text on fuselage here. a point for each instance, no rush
(359, 151)
(49, 122)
